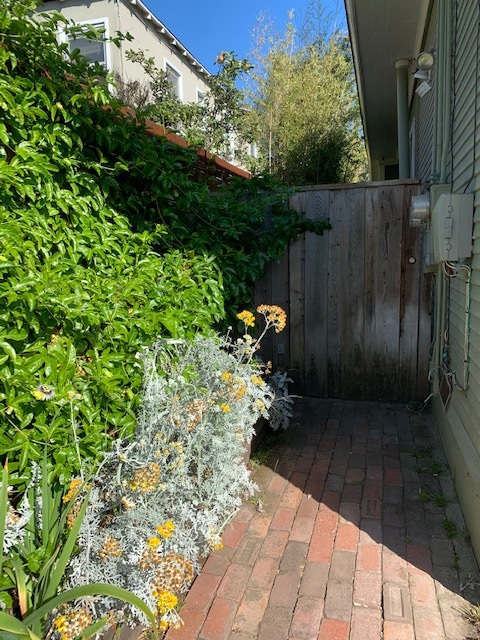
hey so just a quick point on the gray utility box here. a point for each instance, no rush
(451, 227)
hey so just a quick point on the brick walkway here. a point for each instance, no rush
(356, 534)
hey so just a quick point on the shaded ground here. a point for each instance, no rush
(355, 534)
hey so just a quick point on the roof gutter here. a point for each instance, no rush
(351, 24)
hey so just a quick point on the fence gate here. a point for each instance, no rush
(357, 299)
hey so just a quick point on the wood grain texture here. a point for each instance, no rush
(358, 308)
(316, 287)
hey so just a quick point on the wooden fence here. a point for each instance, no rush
(357, 299)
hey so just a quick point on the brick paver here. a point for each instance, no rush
(342, 547)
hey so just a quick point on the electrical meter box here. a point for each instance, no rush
(451, 227)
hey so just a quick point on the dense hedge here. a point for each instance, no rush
(107, 239)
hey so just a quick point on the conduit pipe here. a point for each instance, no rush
(439, 162)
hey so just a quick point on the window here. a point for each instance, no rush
(200, 95)
(174, 77)
(94, 50)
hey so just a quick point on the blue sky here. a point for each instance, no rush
(205, 27)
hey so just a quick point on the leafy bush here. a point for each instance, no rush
(164, 496)
(35, 548)
(108, 239)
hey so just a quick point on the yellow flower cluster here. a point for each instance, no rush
(146, 479)
(71, 625)
(257, 380)
(236, 386)
(225, 407)
(111, 548)
(166, 529)
(73, 487)
(274, 315)
(247, 318)
(153, 542)
(166, 600)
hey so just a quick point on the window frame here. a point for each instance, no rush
(168, 65)
(101, 23)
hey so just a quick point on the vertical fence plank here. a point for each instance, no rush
(351, 294)
(371, 205)
(337, 212)
(386, 250)
(297, 313)
(316, 300)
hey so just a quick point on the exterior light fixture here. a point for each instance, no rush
(425, 61)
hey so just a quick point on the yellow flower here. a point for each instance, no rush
(247, 318)
(166, 600)
(153, 542)
(74, 486)
(226, 375)
(225, 407)
(257, 380)
(71, 626)
(61, 623)
(166, 529)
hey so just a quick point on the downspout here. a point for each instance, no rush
(439, 95)
(402, 118)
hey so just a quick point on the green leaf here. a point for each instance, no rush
(13, 625)
(9, 350)
(57, 575)
(4, 506)
(92, 590)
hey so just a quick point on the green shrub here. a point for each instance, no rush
(109, 238)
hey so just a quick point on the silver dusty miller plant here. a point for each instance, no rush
(162, 498)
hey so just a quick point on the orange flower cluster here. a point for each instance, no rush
(273, 315)
(73, 487)
(71, 625)
(146, 479)
(111, 548)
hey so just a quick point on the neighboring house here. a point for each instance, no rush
(189, 78)
(418, 76)
(187, 75)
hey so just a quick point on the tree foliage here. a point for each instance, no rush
(108, 238)
(215, 120)
(304, 102)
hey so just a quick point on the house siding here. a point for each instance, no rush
(424, 108)
(460, 422)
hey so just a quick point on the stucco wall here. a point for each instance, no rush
(124, 17)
